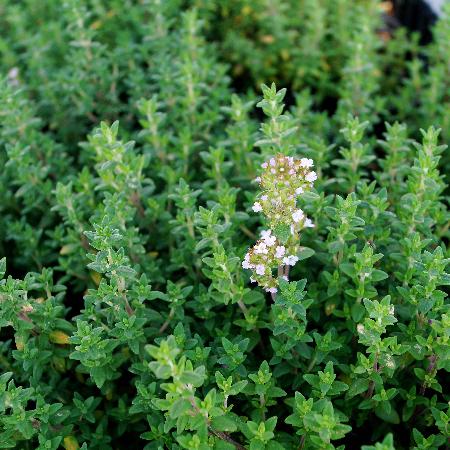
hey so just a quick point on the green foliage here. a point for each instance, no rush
(131, 167)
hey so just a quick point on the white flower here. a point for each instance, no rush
(360, 328)
(258, 180)
(267, 237)
(273, 171)
(246, 263)
(290, 160)
(261, 248)
(252, 280)
(264, 165)
(285, 277)
(280, 251)
(290, 260)
(311, 176)
(299, 191)
(272, 290)
(308, 223)
(306, 162)
(266, 233)
(264, 198)
(272, 162)
(260, 269)
(13, 72)
(391, 310)
(257, 207)
(13, 76)
(291, 171)
(297, 215)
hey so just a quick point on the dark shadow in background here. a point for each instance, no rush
(416, 15)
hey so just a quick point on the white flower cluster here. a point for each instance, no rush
(267, 253)
(283, 180)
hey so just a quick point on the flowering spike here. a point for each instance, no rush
(283, 180)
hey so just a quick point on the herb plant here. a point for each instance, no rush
(187, 262)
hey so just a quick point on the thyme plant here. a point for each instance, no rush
(189, 263)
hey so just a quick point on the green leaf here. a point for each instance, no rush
(358, 312)
(378, 275)
(358, 386)
(195, 378)
(224, 423)
(179, 407)
(2, 267)
(390, 416)
(305, 253)
(348, 269)
(283, 232)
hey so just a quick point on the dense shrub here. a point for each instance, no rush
(127, 314)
